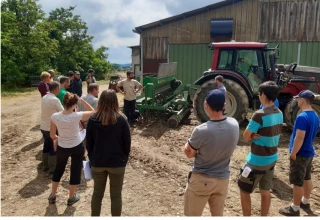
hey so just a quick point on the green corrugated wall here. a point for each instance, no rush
(194, 59)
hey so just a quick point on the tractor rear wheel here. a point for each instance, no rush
(292, 110)
(237, 102)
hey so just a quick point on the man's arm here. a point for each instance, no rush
(297, 144)
(248, 135)
(253, 127)
(189, 151)
(118, 88)
(58, 105)
(138, 85)
(89, 79)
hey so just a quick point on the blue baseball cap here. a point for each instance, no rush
(216, 99)
(306, 94)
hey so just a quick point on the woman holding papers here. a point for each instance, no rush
(108, 145)
(69, 144)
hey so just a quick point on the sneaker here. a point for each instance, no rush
(52, 199)
(305, 206)
(288, 211)
(74, 199)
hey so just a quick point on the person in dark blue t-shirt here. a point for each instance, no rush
(301, 154)
(276, 103)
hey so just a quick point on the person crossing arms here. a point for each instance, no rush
(264, 130)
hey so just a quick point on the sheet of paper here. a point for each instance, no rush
(87, 170)
(83, 134)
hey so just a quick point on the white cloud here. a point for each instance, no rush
(111, 21)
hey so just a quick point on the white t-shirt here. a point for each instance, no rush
(50, 104)
(68, 128)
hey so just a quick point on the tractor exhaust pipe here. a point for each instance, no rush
(272, 58)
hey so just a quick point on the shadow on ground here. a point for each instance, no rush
(31, 146)
(36, 186)
(52, 210)
(282, 190)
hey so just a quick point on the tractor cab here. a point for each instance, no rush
(249, 60)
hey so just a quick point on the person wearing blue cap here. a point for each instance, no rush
(264, 130)
(302, 152)
(211, 144)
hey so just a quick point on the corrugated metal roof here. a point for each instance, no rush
(188, 14)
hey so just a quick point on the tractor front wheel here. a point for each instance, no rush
(237, 102)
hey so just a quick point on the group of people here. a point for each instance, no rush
(212, 145)
(108, 144)
(107, 140)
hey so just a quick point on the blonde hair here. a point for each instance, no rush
(44, 75)
(108, 108)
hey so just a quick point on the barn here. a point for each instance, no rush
(294, 25)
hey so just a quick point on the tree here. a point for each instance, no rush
(75, 48)
(32, 43)
(25, 46)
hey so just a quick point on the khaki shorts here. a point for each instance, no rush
(248, 184)
(202, 189)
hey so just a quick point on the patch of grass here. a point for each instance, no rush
(15, 91)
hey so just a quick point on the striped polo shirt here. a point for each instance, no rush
(267, 123)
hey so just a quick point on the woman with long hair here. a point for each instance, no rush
(108, 145)
(69, 144)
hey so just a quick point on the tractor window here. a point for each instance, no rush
(225, 60)
(250, 64)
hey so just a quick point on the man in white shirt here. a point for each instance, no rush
(130, 88)
(49, 104)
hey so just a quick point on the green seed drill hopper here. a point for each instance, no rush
(164, 96)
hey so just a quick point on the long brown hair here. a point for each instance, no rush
(108, 107)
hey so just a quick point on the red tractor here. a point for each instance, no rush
(245, 66)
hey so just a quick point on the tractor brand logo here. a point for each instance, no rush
(161, 81)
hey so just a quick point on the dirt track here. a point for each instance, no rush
(155, 176)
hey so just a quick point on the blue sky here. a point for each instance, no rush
(111, 21)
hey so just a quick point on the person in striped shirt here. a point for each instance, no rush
(264, 130)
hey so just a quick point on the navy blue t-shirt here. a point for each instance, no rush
(307, 121)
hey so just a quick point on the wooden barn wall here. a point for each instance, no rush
(155, 48)
(294, 20)
(196, 29)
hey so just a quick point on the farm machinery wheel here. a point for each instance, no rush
(237, 102)
(292, 110)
